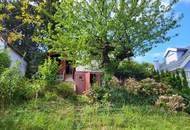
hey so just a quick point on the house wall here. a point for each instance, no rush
(15, 58)
(2, 45)
(157, 65)
(173, 56)
(170, 57)
(187, 66)
(187, 69)
(82, 81)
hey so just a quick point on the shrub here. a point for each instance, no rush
(99, 94)
(9, 82)
(64, 89)
(114, 82)
(184, 79)
(34, 88)
(147, 90)
(173, 103)
(132, 86)
(50, 96)
(146, 87)
(132, 91)
(151, 87)
(4, 61)
(132, 69)
(48, 71)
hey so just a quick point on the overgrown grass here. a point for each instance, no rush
(62, 114)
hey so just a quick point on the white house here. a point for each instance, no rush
(175, 59)
(15, 56)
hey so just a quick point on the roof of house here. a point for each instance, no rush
(174, 49)
(15, 50)
(177, 64)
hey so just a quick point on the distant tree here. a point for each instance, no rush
(131, 69)
(156, 75)
(178, 81)
(162, 74)
(168, 77)
(149, 67)
(184, 79)
(109, 31)
(173, 80)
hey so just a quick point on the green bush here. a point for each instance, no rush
(10, 81)
(33, 88)
(132, 69)
(176, 80)
(15, 88)
(48, 71)
(4, 61)
(64, 89)
(49, 96)
(100, 94)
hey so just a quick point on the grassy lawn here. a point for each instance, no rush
(63, 114)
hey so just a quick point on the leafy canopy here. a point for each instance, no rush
(109, 31)
(21, 22)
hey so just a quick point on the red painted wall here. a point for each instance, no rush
(82, 80)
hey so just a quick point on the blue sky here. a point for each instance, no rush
(183, 40)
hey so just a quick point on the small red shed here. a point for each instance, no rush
(85, 79)
(82, 78)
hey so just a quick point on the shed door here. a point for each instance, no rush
(80, 83)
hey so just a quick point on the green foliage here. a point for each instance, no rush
(20, 27)
(10, 82)
(178, 81)
(149, 89)
(4, 61)
(184, 79)
(131, 92)
(65, 90)
(15, 89)
(109, 32)
(34, 88)
(156, 75)
(100, 94)
(47, 72)
(64, 115)
(50, 96)
(132, 69)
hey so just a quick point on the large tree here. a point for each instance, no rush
(109, 31)
(21, 22)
